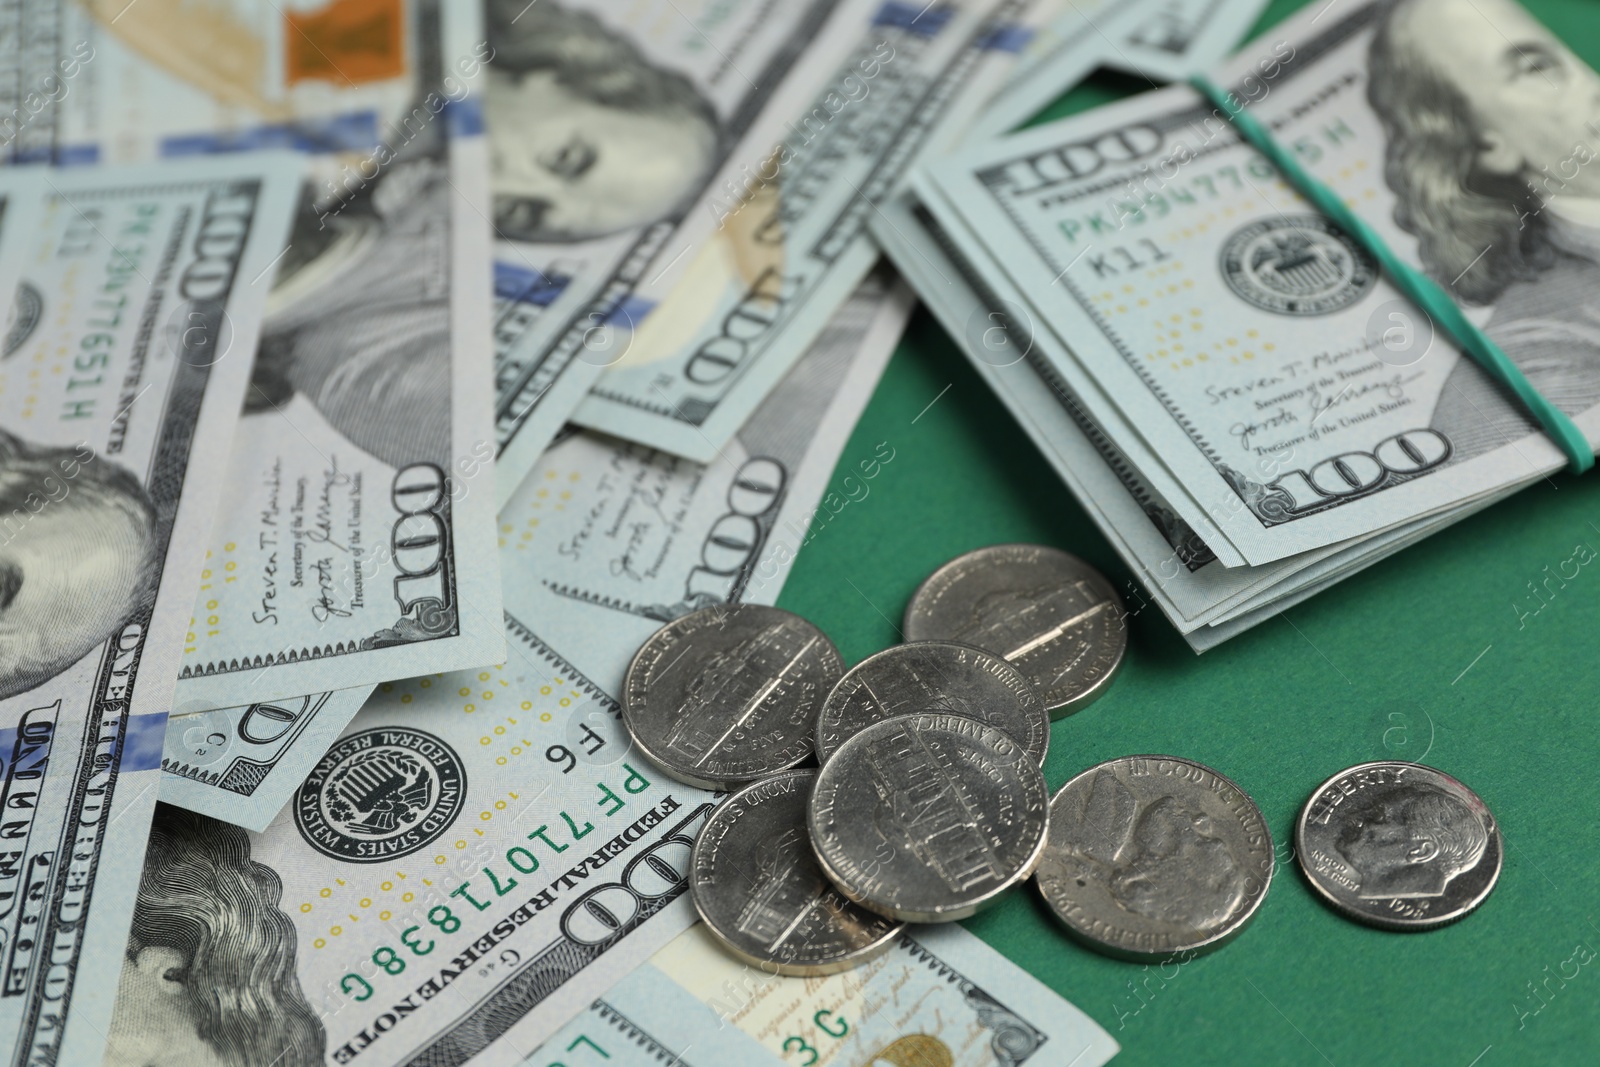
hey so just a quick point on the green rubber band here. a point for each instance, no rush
(1423, 291)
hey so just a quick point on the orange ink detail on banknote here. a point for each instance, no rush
(347, 42)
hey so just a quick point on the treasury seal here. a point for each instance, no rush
(1296, 265)
(380, 794)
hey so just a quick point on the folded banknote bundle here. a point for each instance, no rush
(1244, 403)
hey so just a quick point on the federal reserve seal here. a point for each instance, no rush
(1297, 265)
(380, 794)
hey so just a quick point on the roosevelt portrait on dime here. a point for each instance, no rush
(1493, 129)
(1410, 842)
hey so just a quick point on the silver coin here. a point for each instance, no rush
(1398, 845)
(1155, 857)
(729, 694)
(928, 817)
(1051, 615)
(756, 884)
(934, 676)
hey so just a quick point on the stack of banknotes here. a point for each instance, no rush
(380, 374)
(1243, 403)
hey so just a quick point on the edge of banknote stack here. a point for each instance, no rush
(1244, 435)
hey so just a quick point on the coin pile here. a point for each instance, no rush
(929, 802)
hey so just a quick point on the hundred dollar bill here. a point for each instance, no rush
(139, 303)
(477, 856)
(241, 765)
(1006, 317)
(1158, 40)
(938, 997)
(614, 129)
(353, 543)
(1173, 565)
(790, 242)
(609, 539)
(471, 842)
(1290, 391)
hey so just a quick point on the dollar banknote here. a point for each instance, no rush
(140, 293)
(241, 765)
(615, 131)
(938, 997)
(613, 538)
(1289, 394)
(477, 855)
(353, 543)
(443, 870)
(471, 843)
(1173, 566)
(1155, 40)
(791, 243)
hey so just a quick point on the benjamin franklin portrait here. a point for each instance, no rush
(589, 136)
(79, 556)
(1410, 842)
(1491, 152)
(209, 974)
(359, 317)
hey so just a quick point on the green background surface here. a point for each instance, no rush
(1421, 657)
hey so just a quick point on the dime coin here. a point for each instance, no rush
(928, 817)
(934, 676)
(729, 694)
(1051, 615)
(1155, 858)
(756, 884)
(1398, 845)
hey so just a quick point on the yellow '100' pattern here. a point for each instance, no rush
(537, 504)
(213, 621)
